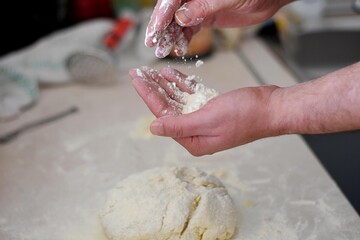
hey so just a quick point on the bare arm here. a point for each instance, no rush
(328, 104)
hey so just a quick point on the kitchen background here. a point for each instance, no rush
(311, 37)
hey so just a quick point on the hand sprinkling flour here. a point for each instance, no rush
(165, 33)
(171, 37)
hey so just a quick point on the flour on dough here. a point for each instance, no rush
(169, 203)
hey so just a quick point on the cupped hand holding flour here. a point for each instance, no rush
(226, 121)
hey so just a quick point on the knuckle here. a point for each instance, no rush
(196, 148)
(196, 153)
(176, 131)
(202, 8)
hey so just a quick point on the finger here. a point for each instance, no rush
(187, 125)
(162, 16)
(152, 94)
(172, 94)
(136, 73)
(200, 145)
(181, 43)
(194, 12)
(167, 40)
(170, 88)
(189, 32)
(183, 82)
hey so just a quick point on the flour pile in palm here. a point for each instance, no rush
(198, 98)
(201, 95)
(187, 102)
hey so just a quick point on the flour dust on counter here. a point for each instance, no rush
(169, 203)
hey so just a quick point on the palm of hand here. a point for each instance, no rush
(224, 122)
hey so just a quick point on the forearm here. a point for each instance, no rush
(328, 104)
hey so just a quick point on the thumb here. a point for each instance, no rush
(176, 126)
(194, 12)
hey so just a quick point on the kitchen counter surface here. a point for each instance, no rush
(54, 179)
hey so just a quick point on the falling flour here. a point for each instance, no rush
(199, 63)
(201, 95)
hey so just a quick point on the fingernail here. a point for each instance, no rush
(157, 128)
(183, 16)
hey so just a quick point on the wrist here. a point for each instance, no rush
(268, 123)
(279, 114)
(291, 111)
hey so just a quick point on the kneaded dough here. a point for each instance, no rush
(169, 203)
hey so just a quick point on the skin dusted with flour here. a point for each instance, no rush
(166, 35)
(181, 93)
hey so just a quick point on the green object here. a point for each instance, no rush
(147, 3)
(22, 80)
(120, 5)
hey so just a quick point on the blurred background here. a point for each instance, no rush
(310, 37)
(313, 38)
(24, 22)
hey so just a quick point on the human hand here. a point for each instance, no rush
(174, 22)
(226, 121)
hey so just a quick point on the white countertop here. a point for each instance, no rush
(53, 179)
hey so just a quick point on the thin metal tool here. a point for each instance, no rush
(6, 138)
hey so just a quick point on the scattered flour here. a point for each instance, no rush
(199, 63)
(190, 78)
(172, 37)
(139, 73)
(186, 102)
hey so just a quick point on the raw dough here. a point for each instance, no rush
(169, 203)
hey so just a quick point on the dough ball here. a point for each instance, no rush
(169, 203)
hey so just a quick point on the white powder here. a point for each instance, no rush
(139, 73)
(171, 37)
(165, 4)
(190, 77)
(187, 102)
(199, 63)
(199, 98)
